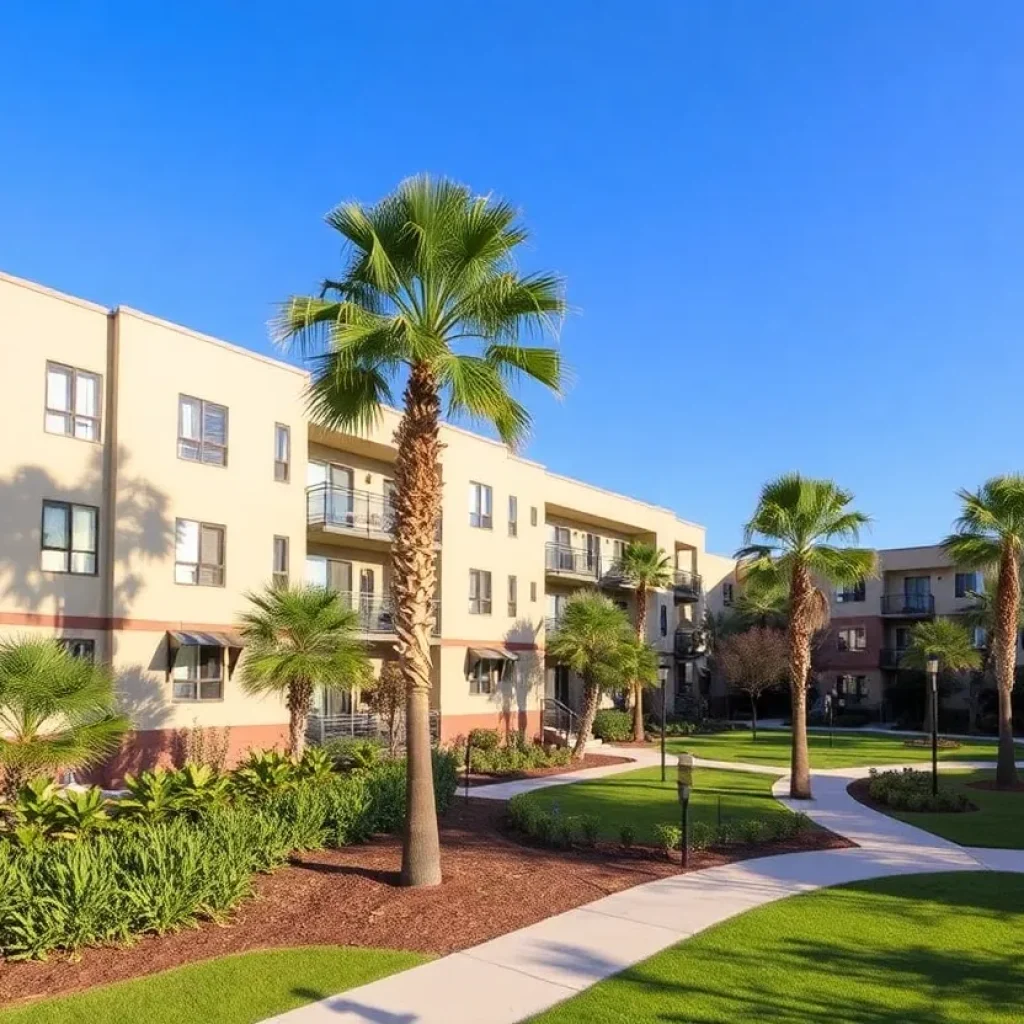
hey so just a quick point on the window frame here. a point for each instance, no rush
(202, 442)
(282, 467)
(199, 565)
(533, 591)
(727, 594)
(68, 642)
(484, 521)
(663, 620)
(857, 594)
(513, 516)
(71, 415)
(483, 605)
(495, 674)
(513, 597)
(533, 515)
(198, 679)
(967, 590)
(280, 577)
(69, 508)
(858, 631)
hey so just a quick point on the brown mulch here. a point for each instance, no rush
(1017, 787)
(587, 761)
(858, 789)
(492, 885)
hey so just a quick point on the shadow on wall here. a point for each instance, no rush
(523, 681)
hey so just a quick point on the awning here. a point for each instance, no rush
(492, 654)
(180, 638)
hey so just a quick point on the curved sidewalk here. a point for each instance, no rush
(515, 976)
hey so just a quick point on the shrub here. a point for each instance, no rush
(613, 726)
(484, 739)
(517, 756)
(911, 790)
(350, 752)
(703, 834)
(919, 742)
(670, 837)
(627, 836)
(589, 829)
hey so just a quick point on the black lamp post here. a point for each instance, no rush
(832, 697)
(684, 784)
(933, 687)
(663, 673)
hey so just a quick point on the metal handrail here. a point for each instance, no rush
(376, 614)
(346, 508)
(363, 725)
(686, 582)
(577, 561)
(908, 604)
(551, 623)
(559, 717)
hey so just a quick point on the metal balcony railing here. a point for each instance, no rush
(687, 643)
(344, 508)
(376, 615)
(320, 727)
(686, 586)
(562, 559)
(891, 657)
(908, 604)
(551, 623)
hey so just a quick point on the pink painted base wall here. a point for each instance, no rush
(527, 722)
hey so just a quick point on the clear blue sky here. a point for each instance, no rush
(793, 230)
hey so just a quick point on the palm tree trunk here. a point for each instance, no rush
(799, 632)
(1005, 651)
(300, 696)
(638, 695)
(753, 715)
(591, 696)
(417, 504)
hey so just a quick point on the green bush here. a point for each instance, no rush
(590, 829)
(484, 739)
(627, 836)
(670, 837)
(351, 752)
(911, 790)
(925, 742)
(613, 726)
(516, 757)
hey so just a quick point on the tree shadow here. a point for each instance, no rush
(513, 696)
(362, 1012)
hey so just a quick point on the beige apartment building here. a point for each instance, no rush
(154, 476)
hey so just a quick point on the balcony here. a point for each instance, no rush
(908, 606)
(551, 624)
(353, 513)
(890, 658)
(612, 575)
(687, 643)
(376, 617)
(574, 563)
(686, 586)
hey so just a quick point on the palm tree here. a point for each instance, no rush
(298, 639)
(989, 534)
(764, 604)
(646, 568)
(56, 712)
(789, 540)
(429, 270)
(950, 643)
(592, 639)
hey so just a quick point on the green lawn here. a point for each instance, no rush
(923, 949)
(999, 820)
(850, 750)
(238, 989)
(643, 800)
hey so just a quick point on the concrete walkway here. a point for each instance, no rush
(515, 976)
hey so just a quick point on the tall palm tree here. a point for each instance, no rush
(950, 643)
(429, 271)
(56, 712)
(764, 604)
(646, 568)
(790, 540)
(989, 534)
(591, 639)
(296, 640)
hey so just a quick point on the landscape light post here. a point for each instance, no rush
(663, 673)
(832, 716)
(933, 687)
(684, 784)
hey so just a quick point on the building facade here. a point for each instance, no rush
(155, 476)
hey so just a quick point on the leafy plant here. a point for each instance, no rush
(589, 827)
(152, 794)
(315, 763)
(350, 753)
(484, 739)
(670, 837)
(911, 790)
(627, 836)
(264, 772)
(613, 726)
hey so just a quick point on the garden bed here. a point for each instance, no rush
(587, 761)
(859, 789)
(492, 885)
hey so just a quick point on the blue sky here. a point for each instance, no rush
(792, 231)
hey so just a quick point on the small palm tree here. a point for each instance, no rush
(646, 568)
(296, 640)
(789, 541)
(591, 639)
(764, 604)
(429, 271)
(989, 535)
(57, 712)
(950, 643)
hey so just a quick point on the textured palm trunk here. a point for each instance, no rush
(300, 696)
(1004, 649)
(638, 691)
(417, 504)
(591, 695)
(799, 634)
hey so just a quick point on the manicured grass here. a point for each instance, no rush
(641, 799)
(849, 750)
(998, 822)
(923, 949)
(238, 989)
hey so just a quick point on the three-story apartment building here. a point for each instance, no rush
(155, 476)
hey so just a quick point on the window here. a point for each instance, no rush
(330, 572)
(199, 673)
(282, 452)
(70, 538)
(618, 550)
(979, 636)
(72, 402)
(901, 636)
(484, 674)
(663, 623)
(533, 515)
(198, 553)
(852, 639)
(479, 592)
(854, 688)
(77, 648)
(280, 561)
(727, 594)
(533, 593)
(202, 431)
(513, 593)
(968, 583)
(850, 594)
(480, 506)
(513, 516)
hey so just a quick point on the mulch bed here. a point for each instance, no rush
(492, 885)
(859, 790)
(587, 761)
